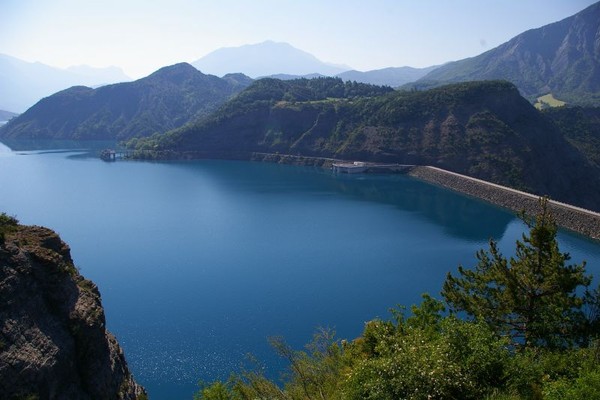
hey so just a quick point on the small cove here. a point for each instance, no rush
(199, 262)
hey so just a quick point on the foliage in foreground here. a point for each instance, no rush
(527, 337)
(532, 297)
(7, 224)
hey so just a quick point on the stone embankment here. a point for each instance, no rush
(573, 218)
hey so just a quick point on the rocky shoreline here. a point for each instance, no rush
(582, 221)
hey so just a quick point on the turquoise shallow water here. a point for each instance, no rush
(199, 262)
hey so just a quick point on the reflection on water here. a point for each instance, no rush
(199, 262)
(45, 144)
(459, 215)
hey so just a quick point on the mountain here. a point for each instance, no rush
(54, 344)
(264, 59)
(289, 77)
(482, 129)
(169, 98)
(24, 83)
(581, 127)
(562, 58)
(99, 76)
(6, 115)
(393, 77)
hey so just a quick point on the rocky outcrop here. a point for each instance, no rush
(53, 341)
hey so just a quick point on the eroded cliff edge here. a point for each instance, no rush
(53, 341)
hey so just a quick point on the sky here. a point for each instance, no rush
(140, 36)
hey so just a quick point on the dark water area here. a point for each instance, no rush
(198, 263)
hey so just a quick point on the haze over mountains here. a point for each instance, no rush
(264, 59)
(562, 58)
(283, 61)
(6, 115)
(24, 83)
(393, 76)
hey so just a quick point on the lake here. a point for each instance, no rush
(198, 263)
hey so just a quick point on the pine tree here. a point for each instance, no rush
(533, 297)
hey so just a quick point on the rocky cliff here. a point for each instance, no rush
(53, 341)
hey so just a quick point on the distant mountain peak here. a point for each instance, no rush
(390, 76)
(561, 58)
(24, 83)
(178, 68)
(264, 59)
(111, 73)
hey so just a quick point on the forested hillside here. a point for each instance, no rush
(581, 127)
(482, 129)
(562, 58)
(167, 99)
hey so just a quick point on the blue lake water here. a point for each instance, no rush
(200, 262)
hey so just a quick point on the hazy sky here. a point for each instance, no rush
(141, 36)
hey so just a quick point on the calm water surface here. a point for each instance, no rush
(200, 262)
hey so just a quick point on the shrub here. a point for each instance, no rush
(7, 224)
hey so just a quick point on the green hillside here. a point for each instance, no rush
(581, 127)
(167, 99)
(562, 58)
(482, 129)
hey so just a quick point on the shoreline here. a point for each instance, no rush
(578, 220)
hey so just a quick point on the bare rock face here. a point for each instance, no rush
(53, 341)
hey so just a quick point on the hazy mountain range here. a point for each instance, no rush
(562, 58)
(6, 115)
(264, 59)
(283, 61)
(24, 83)
(393, 76)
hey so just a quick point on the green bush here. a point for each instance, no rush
(461, 360)
(214, 391)
(433, 355)
(586, 386)
(7, 224)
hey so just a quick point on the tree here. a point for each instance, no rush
(214, 391)
(532, 297)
